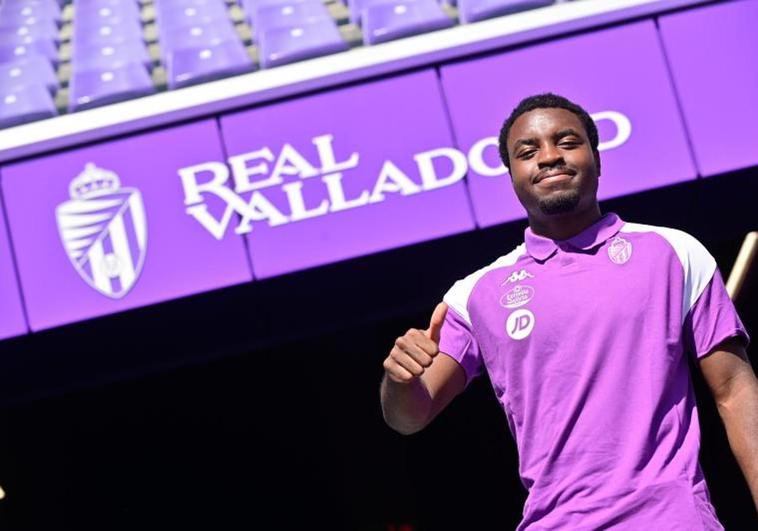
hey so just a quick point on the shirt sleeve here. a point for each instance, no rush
(458, 341)
(712, 319)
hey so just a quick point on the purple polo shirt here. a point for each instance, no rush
(586, 344)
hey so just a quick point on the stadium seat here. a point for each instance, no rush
(32, 71)
(196, 65)
(106, 34)
(30, 103)
(286, 44)
(202, 36)
(389, 20)
(18, 12)
(40, 48)
(473, 10)
(110, 56)
(93, 88)
(97, 10)
(18, 33)
(291, 13)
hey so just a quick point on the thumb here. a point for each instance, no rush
(435, 324)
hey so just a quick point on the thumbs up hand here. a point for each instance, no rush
(415, 351)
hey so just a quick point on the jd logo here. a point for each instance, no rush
(519, 324)
(104, 231)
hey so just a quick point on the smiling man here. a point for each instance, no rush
(584, 330)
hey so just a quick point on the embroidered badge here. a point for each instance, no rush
(517, 296)
(620, 250)
(519, 324)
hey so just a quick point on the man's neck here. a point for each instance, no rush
(564, 226)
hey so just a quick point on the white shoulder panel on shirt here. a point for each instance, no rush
(697, 262)
(457, 296)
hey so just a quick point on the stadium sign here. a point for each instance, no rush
(242, 184)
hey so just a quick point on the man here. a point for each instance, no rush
(584, 330)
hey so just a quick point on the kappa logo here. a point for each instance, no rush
(517, 277)
(620, 250)
(104, 231)
(519, 324)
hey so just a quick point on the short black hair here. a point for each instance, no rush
(547, 100)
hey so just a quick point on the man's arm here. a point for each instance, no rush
(418, 383)
(732, 381)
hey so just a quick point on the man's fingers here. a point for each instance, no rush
(418, 347)
(405, 360)
(396, 372)
(435, 324)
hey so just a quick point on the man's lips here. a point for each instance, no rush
(554, 176)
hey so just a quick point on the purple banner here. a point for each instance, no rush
(618, 75)
(342, 174)
(11, 314)
(713, 53)
(104, 228)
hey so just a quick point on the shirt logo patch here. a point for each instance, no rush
(519, 324)
(620, 250)
(516, 297)
(516, 277)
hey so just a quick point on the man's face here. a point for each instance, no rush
(553, 167)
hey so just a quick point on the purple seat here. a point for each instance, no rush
(93, 88)
(42, 48)
(92, 23)
(288, 14)
(33, 102)
(16, 12)
(197, 36)
(387, 21)
(196, 65)
(32, 71)
(105, 11)
(107, 34)
(287, 44)
(110, 57)
(473, 10)
(190, 15)
(35, 28)
(24, 34)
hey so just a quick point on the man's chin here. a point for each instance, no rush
(559, 203)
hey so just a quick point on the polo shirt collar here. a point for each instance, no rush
(542, 248)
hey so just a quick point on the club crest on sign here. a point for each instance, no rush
(620, 250)
(104, 231)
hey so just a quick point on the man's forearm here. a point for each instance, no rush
(406, 406)
(739, 411)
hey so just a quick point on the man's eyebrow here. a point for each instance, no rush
(566, 132)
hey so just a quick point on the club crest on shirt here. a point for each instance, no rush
(517, 296)
(620, 250)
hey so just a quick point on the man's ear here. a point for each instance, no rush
(596, 154)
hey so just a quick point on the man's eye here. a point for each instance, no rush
(526, 154)
(569, 144)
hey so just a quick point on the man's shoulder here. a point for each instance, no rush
(688, 249)
(459, 294)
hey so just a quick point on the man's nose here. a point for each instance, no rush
(550, 156)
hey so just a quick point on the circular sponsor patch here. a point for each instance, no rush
(516, 297)
(519, 324)
(620, 250)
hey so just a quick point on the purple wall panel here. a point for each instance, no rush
(618, 75)
(349, 172)
(714, 59)
(119, 208)
(11, 314)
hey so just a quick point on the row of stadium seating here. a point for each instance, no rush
(57, 58)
